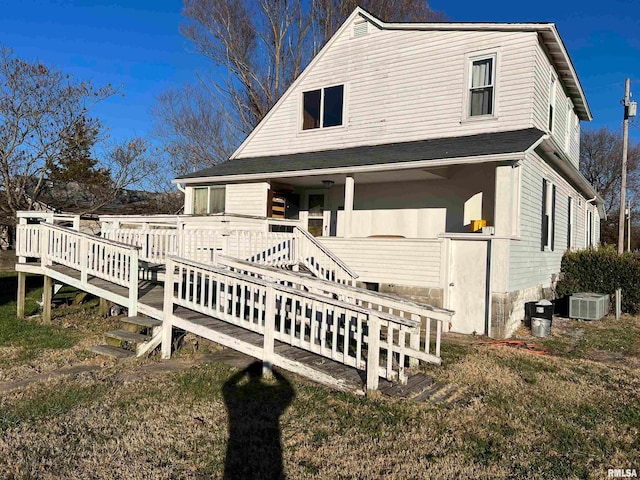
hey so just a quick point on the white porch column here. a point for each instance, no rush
(349, 186)
(503, 216)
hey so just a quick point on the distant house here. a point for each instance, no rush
(438, 161)
(75, 199)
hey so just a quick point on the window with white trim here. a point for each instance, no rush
(323, 108)
(208, 200)
(548, 215)
(482, 81)
(589, 227)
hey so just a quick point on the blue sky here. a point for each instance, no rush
(135, 45)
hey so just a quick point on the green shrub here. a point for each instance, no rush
(602, 271)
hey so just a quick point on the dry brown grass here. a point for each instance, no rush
(520, 416)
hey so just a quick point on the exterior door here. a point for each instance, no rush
(316, 204)
(468, 286)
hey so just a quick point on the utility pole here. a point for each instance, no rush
(629, 226)
(623, 186)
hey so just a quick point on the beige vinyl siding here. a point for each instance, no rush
(247, 199)
(529, 265)
(388, 260)
(403, 86)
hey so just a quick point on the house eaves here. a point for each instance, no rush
(486, 147)
(562, 163)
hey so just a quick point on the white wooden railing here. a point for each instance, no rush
(430, 320)
(350, 334)
(92, 256)
(154, 243)
(320, 260)
(28, 234)
(266, 248)
(28, 240)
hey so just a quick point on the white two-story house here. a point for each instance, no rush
(437, 160)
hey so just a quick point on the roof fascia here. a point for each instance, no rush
(384, 167)
(560, 160)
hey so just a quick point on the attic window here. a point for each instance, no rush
(360, 29)
(323, 108)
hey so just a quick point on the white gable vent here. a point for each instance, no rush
(360, 29)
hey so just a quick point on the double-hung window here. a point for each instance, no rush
(323, 108)
(548, 215)
(208, 200)
(482, 80)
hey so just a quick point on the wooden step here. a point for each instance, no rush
(110, 351)
(125, 336)
(142, 321)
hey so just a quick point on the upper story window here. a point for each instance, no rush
(482, 86)
(323, 108)
(208, 200)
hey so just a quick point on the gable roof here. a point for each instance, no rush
(392, 155)
(547, 32)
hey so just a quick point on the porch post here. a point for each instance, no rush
(503, 218)
(47, 294)
(349, 185)
(21, 294)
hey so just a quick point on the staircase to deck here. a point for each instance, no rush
(320, 327)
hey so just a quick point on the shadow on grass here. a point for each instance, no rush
(254, 449)
(9, 286)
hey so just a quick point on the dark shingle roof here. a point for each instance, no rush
(514, 141)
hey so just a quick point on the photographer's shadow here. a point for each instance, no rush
(255, 404)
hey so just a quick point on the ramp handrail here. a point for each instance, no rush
(92, 256)
(348, 333)
(322, 262)
(424, 339)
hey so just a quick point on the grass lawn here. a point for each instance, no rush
(571, 415)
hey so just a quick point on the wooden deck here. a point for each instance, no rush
(320, 327)
(150, 302)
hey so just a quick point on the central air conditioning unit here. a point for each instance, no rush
(588, 306)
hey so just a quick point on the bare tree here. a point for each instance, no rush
(39, 107)
(257, 48)
(600, 163)
(330, 14)
(193, 129)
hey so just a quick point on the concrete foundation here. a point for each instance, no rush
(507, 309)
(429, 295)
